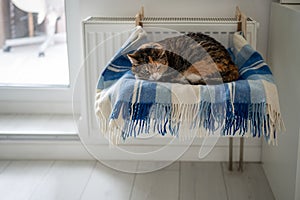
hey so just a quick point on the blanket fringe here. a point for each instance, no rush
(204, 119)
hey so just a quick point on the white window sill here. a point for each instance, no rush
(40, 136)
(37, 126)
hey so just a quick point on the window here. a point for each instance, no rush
(34, 48)
(39, 56)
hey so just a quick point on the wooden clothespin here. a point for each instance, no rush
(242, 21)
(139, 17)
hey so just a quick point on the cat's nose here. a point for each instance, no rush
(155, 76)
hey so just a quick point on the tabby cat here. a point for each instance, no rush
(194, 58)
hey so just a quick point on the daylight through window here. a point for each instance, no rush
(33, 49)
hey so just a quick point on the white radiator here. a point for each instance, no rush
(101, 40)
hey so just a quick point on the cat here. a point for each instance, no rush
(194, 58)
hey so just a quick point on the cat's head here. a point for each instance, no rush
(149, 61)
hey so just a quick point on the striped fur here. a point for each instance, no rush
(194, 58)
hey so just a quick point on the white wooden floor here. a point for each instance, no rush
(89, 180)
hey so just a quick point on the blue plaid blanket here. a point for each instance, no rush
(127, 107)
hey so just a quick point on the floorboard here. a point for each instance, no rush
(3, 165)
(91, 180)
(108, 184)
(162, 184)
(202, 181)
(249, 184)
(20, 178)
(65, 180)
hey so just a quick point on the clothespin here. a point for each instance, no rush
(139, 17)
(242, 21)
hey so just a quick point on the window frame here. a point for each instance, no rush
(49, 99)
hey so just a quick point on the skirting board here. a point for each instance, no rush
(74, 150)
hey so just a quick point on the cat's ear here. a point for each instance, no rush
(132, 58)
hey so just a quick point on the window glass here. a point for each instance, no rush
(33, 49)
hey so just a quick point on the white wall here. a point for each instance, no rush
(281, 163)
(257, 9)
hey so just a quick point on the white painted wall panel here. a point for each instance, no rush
(280, 162)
